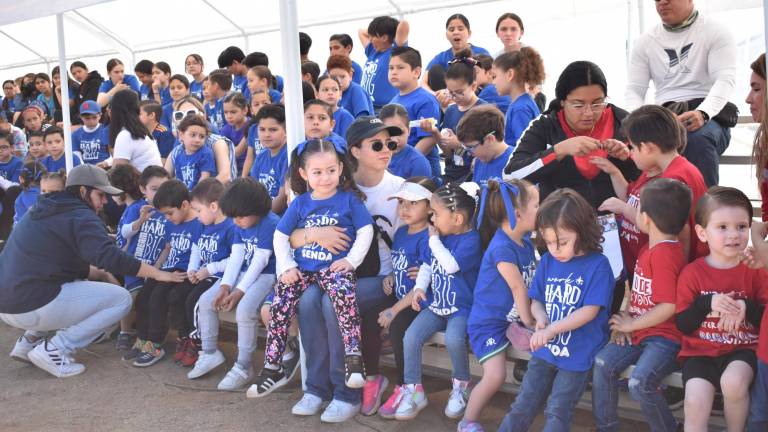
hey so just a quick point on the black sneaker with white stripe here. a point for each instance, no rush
(267, 381)
(49, 358)
(355, 372)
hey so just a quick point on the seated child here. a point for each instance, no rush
(481, 132)
(10, 165)
(54, 143)
(37, 150)
(52, 182)
(91, 142)
(259, 100)
(236, 119)
(319, 123)
(406, 161)
(329, 91)
(271, 165)
(354, 98)
(197, 161)
(29, 180)
(150, 113)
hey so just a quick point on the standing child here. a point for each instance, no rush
(450, 265)
(404, 72)
(54, 143)
(29, 180)
(324, 199)
(236, 117)
(571, 293)
(406, 161)
(329, 91)
(91, 142)
(512, 72)
(353, 97)
(486, 89)
(37, 150)
(645, 335)
(219, 84)
(481, 132)
(271, 165)
(197, 161)
(717, 296)
(408, 246)
(500, 301)
(193, 65)
(10, 165)
(150, 113)
(383, 35)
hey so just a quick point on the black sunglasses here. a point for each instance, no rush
(378, 145)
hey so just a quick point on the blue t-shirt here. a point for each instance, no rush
(53, 165)
(128, 80)
(357, 72)
(11, 170)
(408, 163)
(493, 301)
(215, 114)
(334, 138)
(344, 209)
(164, 139)
(215, 242)
(26, 199)
(144, 91)
(188, 167)
(274, 95)
(196, 89)
(259, 236)
(357, 101)
(491, 95)
(47, 103)
(235, 135)
(92, 146)
(165, 96)
(564, 287)
(444, 57)
(239, 83)
(519, 115)
(147, 244)
(452, 293)
(253, 139)
(457, 167)
(407, 251)
(130, 215)
(421, 104)
(270, 170)
(492, 170)
(181, 237)
(376, 76)
(166, 119)
(342, 119)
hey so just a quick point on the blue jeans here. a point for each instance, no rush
(654, 359)
(704, 148)
(426, 324)
(321, 339)
(758, 412)
(544, 382)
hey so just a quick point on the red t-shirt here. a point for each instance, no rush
(630, 236)
(655, 282)
(699, 278)
(762, 349)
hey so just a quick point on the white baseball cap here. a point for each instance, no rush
(412, 192)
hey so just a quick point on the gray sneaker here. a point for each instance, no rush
(125, 341)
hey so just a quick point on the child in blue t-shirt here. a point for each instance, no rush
(271, 165)
(353, 97)
(571, 293)
(319, 123)
(408, 246)
(329, 91)
(54, 143)
(10, 165)
(406, 161)
(150, 113)
(383, 34)
(196, 162)
(457, 31)
(154, 301)
(404, 71)
(219, 84)
(486, 90)
(236, 117)
(29, 180)
(91, 142)
(178, 88)
(508, 215)
(449, 270)
(323, 200)
(259, 99)
(260, 79)
(193, 66)
(481, 132)
(248, 277)
(512, 72)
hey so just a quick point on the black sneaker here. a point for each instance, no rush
(355, 372)
(291, 365)
(675, 397)
(125, 341)
(150, 356)
(135, 350)
(267, 381)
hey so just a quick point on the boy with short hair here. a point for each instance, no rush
(341, 44)
(383, 34)
(481, 131)
(10, 165)
(91, 142)
(646, 334)
(219, 84)
(143, 71)
(353, 97)
(150, 113)
(404, 73)
(271, 165)
(153, 302)
(231, 59)
(37, 150)
(54, 143)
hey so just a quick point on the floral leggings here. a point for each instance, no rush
(340, 287)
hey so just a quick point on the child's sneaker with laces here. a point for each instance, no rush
(354, 376)
(124, 341)
(469, 426)
(152, 354)
(22, 348)
(457, 401)
(389, 408)
(338, 412)
(309, 405)
(136, 349)
(372, 392)
(236, 379)
(413, 401)
(267, 381)
(49, 358)
(206, 363)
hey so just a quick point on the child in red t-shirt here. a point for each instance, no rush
(758, 414)
(655, 139)
(646, 334)
(717, 297)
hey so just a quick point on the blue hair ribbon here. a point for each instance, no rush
(506, 190)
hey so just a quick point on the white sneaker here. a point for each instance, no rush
(338, 412)
(236, 379)
(413, 401)
(309, 405)
(457, 401)
(206, 363)
(49, 358)
(22, 348)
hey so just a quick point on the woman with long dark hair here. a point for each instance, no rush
(130, 140)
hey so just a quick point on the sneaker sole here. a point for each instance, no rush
(190, 375)
(355, 381)
(376, 406)
(253, 395)
(307, 413)
(455, 416)
(155, 360)
(412, 415)
(20, 357)
(35, 359)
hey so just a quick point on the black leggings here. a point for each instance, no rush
(397, 329)
(370, 333)
(154, 303)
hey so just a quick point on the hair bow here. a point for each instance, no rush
(469, 61)
(506, 190)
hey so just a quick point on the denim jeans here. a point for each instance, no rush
(426, 324)
(704, 148)
(81, 312)
(654, 359)
(544, 382)
(758, 412)
(321, 339)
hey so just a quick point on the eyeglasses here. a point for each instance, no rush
(456, 94)
(179, 115)
(378, 145)
(581, 106)
(471, 148)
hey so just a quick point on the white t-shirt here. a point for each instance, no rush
(140, 153)
(384, 213)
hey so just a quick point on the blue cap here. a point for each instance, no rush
(90, 107)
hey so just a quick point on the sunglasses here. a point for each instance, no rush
(378, 145)
(179, 115)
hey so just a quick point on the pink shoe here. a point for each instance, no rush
(372, 392)
(388, 410)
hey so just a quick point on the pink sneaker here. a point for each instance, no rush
(388, 410)
(372, 392)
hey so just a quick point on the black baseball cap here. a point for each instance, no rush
(368, 126)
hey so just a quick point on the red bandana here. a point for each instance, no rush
(603, 130)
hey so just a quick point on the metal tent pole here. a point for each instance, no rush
(64, 74)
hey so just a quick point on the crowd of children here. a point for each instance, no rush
(475, 254)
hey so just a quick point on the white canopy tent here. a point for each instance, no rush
(97, 30)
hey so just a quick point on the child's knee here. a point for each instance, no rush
(734, 387)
